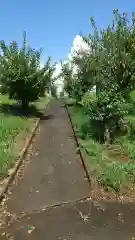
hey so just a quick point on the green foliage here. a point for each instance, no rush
(21, 76)
(128, 144)
(21, 79)
(13, 126)
(88, 100)
(109, 65)
(68, 80)
(116, 175)
(76, 74)
(110, 172)
(131, 103)
(84, 75)
(10, 127)
(105, 113)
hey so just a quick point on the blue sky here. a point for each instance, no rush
(53, 24)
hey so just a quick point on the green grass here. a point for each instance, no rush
(114, 172)
(12, 126)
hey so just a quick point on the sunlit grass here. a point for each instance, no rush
(10, 127)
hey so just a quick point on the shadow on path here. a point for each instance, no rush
(16, 110)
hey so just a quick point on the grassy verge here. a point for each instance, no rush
(14, 128)
(113, 167)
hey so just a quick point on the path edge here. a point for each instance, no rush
(7, 181)
(80, 150)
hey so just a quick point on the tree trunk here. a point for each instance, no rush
(25, 104)
(107, 137)
(98, 89)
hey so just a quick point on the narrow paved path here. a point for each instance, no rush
(51, 200)
(55, 174)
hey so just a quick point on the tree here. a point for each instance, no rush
(105, 113)
(21, 76)
(67, 75)
(113, 63)
(83, 75)
(114, 52)
(47, 79)
(110, 66)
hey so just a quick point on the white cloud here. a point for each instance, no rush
(59, 81)
(78, 45)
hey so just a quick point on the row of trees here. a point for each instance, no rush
(109, 67)
(21, 76)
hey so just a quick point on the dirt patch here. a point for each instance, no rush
(115, 152)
